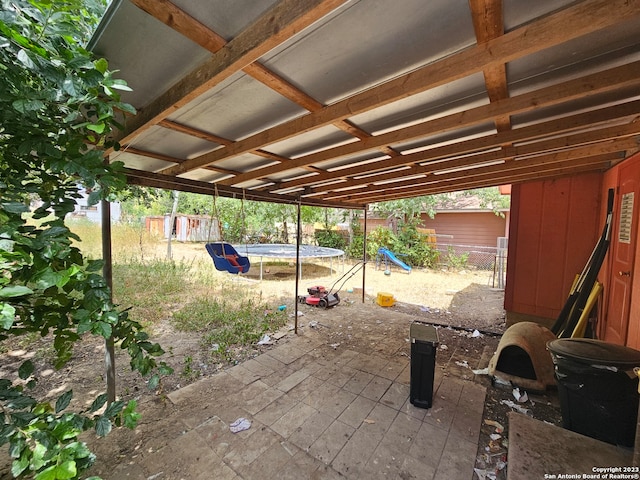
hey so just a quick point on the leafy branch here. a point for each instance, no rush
(58, 106)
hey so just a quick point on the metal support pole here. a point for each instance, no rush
(364, 251)
(298, 269)
(107, 271)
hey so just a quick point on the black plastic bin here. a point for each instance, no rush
(598, 388)
(424, 341)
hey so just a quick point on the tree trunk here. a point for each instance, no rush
(350, 227)
(172, 219)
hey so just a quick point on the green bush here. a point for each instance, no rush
(330, 238)
(456, 261)
(354, 250)
(424, 255)
(409, 244)
(381, 237)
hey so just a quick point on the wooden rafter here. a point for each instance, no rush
(488, 23)
(584, 17)
(562, 161)
(507, 153)
(578, 88)
(566, 121)
(191, 28)
(275, 26)
(597, 164)
(558, 126)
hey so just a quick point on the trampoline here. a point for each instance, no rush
(288, 251)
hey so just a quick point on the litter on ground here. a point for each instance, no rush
(239, 425)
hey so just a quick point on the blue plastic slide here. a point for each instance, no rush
(390, 256)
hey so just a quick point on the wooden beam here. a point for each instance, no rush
(166, 158)
(186, 25)
(592, 165)
(584, 17)
(531, 149)
(494, 174)
(488, 23)
(148, 179)
(194, 132)
(487, 142)
(182, 22)
(278, 24)
(465, 171)
(608, 80)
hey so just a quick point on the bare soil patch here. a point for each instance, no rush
(464, 305)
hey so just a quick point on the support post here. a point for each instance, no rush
(364, 251)
(107, 272)
(298, 269)
(172, 219)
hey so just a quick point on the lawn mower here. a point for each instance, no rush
(319, 296)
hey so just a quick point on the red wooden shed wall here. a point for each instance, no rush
(554, 227)
(467, 228)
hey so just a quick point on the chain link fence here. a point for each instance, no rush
(479, 257)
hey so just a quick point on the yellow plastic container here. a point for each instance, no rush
(385, 299)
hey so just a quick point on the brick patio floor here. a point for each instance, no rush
(316, 412)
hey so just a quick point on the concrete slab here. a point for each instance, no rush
(540, 450)
(316, 412)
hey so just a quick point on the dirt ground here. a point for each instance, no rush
(464, 305)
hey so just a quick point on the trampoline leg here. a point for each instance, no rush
(260, 268)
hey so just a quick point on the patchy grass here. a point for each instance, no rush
(152, 289)
(227, 326)
(228, 316)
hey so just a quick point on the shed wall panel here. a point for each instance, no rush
(467, 228)
(557, 225)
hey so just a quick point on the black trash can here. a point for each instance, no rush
(424, 341)
(598, 388)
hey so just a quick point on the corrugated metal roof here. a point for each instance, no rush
(346, 103)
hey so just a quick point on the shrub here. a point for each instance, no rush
(330, 238)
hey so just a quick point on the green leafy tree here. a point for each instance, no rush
(409, 208)
(491, 197)
(57, 106)
(139, 202)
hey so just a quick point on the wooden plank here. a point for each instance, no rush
(557, 126)
(584, 17)
(167, 158)
(512, 178)
(186, 25)
(560, 157)
(283, 87)
(194, 132)
(149, 179)
(608, 80)
(488, 23)
(557, 160)
(535, 148)
(284, 20)
(182, 22)
(487, 181)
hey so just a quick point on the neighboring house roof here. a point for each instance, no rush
(465, 203)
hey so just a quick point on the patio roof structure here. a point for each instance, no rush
(344, 103)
